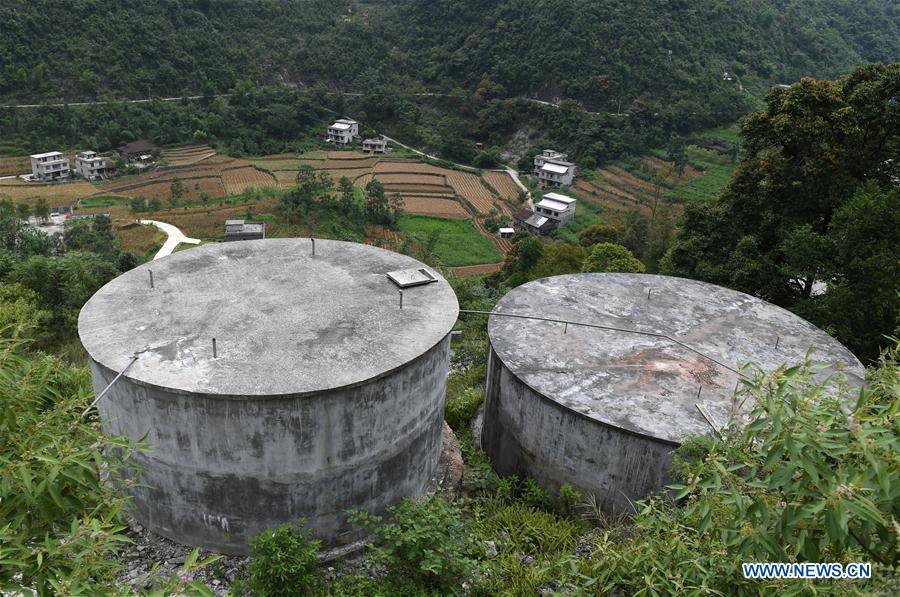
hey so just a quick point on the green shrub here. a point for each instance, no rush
(534, 495)
(428, 542)
(529, 530)
(363, 586)
(284, 560)
(461, 406)
(59, 520)
(567, 500)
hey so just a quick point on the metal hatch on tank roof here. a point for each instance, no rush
(404, 278)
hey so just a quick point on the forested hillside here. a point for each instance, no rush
(610, 54)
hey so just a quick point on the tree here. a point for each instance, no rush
(805, 155)
(607, 257)
(137, 205)
(376, 202)
(42, 210)
(23, 210)
(155, 204)
(176, 190)
(860, 302)
(348, 195)
(600, 233)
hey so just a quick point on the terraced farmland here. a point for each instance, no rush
(341, 160)
(470, 187)
(394, 166)
(503, 184)
(433, 206)
(237, 180)
(189, 154)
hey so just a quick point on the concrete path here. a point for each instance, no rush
(514, 174)
(176, 237)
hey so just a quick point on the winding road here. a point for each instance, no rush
(175, 237)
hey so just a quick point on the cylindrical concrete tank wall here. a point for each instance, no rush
(323, 393)
(603, 409)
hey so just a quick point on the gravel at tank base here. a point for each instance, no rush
(642, 382)
(285, 322)
(150, 549)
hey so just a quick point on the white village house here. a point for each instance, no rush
(89, 165)
(553, 168)
(343, 131)
(556, 207)
(50, 166)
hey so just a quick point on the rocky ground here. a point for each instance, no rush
(153, 559)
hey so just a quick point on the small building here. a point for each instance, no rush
(506, 232)
(244, 230)
(89, 165)
(343, 131)
(49, 167)
(529, 222)
(556, 207)
(377, 145)
(553, 168)
(140, 151)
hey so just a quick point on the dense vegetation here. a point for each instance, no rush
(656, 52)
(814, 200)
(648, 70)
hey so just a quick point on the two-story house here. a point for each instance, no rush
(376, 145)
(556, 207)
(50, 167)
(343, 131)
(89, 165)
(553, 169)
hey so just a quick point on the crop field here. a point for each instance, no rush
(458, 243)
(178, 156)
(209, 222)
(379, 236)
(606, 199)
(470, 187)
(362, 181)
(285, 178)
(19, 191)
(143, 240)
(393, 166)
(503, 184)
(210, 185)
(12, 166)
(476, 270)
(427, 178)
(435, 189)
(348, 163)
(622, 179)
(351, 173)
(237, 180)
(717, 171)
(656, 164)
(432, 206)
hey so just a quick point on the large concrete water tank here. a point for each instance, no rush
(322, 394)
(603, 409)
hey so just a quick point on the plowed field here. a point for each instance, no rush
(503, 184)
(237, 180)
(469, 186)
(430, 206)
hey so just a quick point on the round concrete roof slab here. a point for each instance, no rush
(285, 322)
(643, 383)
